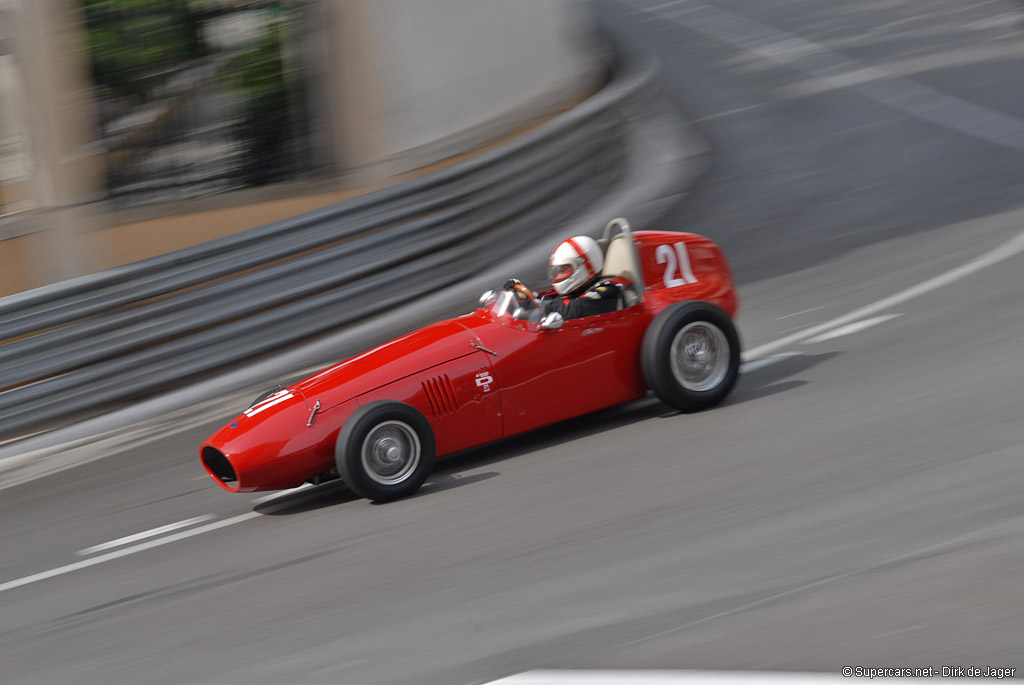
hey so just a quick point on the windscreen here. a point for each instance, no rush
(503, 304)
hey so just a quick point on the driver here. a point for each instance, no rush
(575, 272)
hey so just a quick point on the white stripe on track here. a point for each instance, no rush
(27, 580)
(827, 66)
(1010, 248)
(851, 328)
(641, 677)
(805, 311)
(758, 364)
(144, 534)
(283, 493)
(110, 556)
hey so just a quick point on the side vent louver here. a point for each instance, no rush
(441, 395)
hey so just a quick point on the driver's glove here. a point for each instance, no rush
(522, 293)
(605, 290)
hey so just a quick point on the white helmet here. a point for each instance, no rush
(574, 262)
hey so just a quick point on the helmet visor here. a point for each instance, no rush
(559, 272)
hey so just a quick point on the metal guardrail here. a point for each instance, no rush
(84, 344)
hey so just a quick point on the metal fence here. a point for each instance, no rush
(86, 344)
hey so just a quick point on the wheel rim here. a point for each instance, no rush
(700, 356)
(391, 452)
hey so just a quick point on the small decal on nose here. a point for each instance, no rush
(484, 380)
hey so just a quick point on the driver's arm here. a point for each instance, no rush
(600, 299)
(573, 309)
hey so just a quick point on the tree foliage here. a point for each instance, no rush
(131, 41)
(258, 75)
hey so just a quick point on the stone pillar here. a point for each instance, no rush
(12, 159)
(351, 98)
(52, 58)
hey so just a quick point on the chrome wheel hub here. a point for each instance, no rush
(699, 356)
(391, 452)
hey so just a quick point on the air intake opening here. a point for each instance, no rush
(217, 464)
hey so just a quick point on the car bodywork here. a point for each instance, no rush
(480, 377)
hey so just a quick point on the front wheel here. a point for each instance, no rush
(691, 355)
(385, 451)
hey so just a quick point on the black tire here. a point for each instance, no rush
(397, 426)
(705, 381)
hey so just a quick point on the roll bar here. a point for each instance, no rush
(622, 225)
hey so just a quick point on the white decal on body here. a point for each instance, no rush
(680, 259)
(276, 398)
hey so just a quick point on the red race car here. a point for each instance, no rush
(379, 419)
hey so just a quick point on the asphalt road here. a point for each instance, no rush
(856, 501)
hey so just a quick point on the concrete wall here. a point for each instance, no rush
(422, 80)
(451, 66)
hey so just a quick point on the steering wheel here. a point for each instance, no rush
(525, 298)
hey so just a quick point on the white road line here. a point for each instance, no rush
(805, 311)
(758, 364)
(730, 112)
(623, 677)
(636, 677)
(85, 563)
(851, 328)
(996, 529)
(1010, 248)
(827, 66)
(905, 67)
(145, 534)
(656, 8)
(284, 493)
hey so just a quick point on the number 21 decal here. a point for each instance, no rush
(666, 255)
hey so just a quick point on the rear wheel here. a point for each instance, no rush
(385, 451)
(691, 355)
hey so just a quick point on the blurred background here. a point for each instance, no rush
(116, 113)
